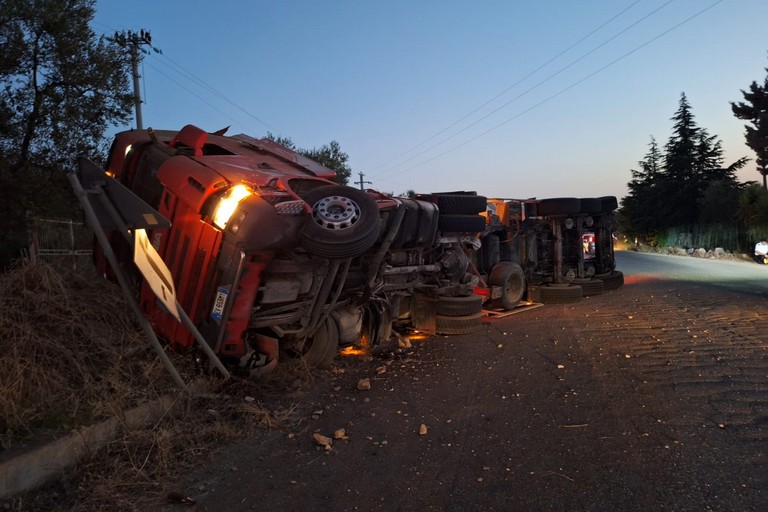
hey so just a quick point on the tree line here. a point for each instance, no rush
(684, 191)
(62, 87)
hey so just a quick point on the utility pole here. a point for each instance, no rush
(361, 182)
(133, 43)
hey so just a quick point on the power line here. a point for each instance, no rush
(201, 83)
(187, 74)
(534, 87)
(193, 93)
(571, 86)
(134, 43)
(518, 82)
(361, 182)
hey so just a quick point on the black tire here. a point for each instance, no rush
(608, 203)
(461, 223)
(459, 324)
(591, 205)
(558, 206)
(560, 294)
(612, 280)
(409, 227)
(590, 287)
(462, 203)
(511, 278)
(319, 350)
(489, 253)
(344, 222)
(460, 306)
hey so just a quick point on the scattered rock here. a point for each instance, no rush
(322, 440)
(423, 429)
(340, 434)
(364, 384)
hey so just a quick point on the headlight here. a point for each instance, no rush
(228, 204)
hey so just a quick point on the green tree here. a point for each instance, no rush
(61, 87)
(692, 160)
(640, 207)
(685, 185)
(330, 155)
(755, 110)
(680, 186)
(718, 203)
(752, 212)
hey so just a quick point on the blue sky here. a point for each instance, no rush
(513, 99)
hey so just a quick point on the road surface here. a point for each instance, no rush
(650, 397)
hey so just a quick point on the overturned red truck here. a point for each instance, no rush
(271, 259)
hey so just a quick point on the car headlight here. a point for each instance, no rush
(228, 204)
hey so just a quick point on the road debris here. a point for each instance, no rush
(322, 440)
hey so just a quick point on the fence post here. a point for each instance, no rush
(32, 241)
(72, 244)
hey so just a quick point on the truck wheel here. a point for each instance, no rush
(590, 287)
(608, 203)
(558, 206)
(560, 294)
(459, 306)
(459, 324)
(460, 203)
(461, 223)
(612, 280)
(591, 205)
(511, 278)
(320, 349)
(344, 222)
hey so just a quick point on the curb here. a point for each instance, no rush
(30, 470)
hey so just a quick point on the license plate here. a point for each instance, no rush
(219, 303)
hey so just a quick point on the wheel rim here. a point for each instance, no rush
(336, 212)
(514, 287)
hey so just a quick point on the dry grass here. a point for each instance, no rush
(72, 355)
(69, 354)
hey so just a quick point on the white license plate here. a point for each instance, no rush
(218, 305)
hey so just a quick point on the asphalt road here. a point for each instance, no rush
(650, 397)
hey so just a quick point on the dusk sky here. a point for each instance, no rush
(512, 99)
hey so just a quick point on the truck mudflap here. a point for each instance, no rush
(264, 356)
(233, 340)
